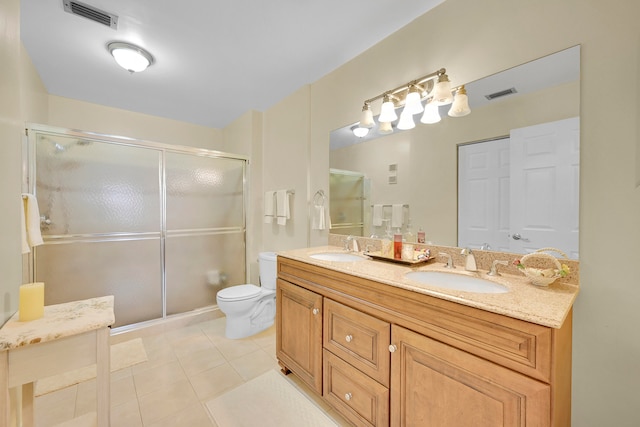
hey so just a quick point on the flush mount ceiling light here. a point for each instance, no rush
(435, 88)
(130, 57)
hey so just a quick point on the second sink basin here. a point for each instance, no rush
(458, 282)
(338, 256)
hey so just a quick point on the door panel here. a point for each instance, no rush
(429, 378)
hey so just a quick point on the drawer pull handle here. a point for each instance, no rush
(349, 338)
(392, 348)
(315, 311)
(348, 396)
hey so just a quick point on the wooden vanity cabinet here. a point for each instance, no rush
(299, 332)
(418, 360)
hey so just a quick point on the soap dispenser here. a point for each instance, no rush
(408, 234)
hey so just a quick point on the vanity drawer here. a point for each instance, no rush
(357, 397)
(360, 339)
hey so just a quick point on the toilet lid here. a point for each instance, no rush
(239, 292)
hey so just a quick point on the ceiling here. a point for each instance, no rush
(214, 60)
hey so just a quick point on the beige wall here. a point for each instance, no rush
(244, 136)
(286, 165)
(11, 128)
(85, 116)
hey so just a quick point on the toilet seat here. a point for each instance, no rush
(239, 293)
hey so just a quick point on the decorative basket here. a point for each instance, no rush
(543, 276)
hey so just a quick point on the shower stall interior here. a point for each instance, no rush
(160, 227)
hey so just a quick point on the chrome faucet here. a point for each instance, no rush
(351, 244)
(449, 263)
(494, 267)
(470, 260)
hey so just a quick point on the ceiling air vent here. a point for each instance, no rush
(501, 93)
(90, 12)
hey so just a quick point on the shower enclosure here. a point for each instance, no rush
(160, 227)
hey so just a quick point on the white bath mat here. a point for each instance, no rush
(123, 355)
(267, 401)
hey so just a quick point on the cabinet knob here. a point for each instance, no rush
(349, 338)
(392, 348)
(315, 311)
(348, 396)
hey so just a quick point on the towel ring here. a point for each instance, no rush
(319, 198)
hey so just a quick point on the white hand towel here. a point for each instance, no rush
(268, 207)
(282, 206)
(25, 243)
(377, 215)
(32, 220)
(397, 216)
(319, 221)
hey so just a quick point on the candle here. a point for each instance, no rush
(31, 304)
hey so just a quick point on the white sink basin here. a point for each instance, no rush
(458, 282)
(338, 256)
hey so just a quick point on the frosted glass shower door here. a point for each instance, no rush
(205, 229)
(100, 204)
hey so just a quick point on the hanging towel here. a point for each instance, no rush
(397, 216)
(32, 221)
(25, 242)
(319, 220)
(268, 207)
(377, 215)
(282, 206)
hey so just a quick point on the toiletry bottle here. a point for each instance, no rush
(408, 234)
(387, 242)
(421, 236)
(397, 245)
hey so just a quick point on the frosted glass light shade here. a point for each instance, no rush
(385, 128)
(130, 57)
(431, 114)
(460, 106)
(366, 118)
(442, 91)
(413, 104)
(406, 121)
(388, 112)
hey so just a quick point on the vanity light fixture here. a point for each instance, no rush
(388, 109)
(406, 120)
(431, 114)
(366, 118)
(130, 57)
(434, 87)
(460, 106)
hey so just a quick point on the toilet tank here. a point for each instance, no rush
(268, 269)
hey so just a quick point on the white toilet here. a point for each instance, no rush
(249, 308)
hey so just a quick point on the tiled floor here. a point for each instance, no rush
(186, 368)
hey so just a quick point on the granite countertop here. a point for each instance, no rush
(547, 306)
(59, 321)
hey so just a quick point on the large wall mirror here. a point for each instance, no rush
(419, 168)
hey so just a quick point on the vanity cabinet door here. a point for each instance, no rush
(436, 385)
(299, 332)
